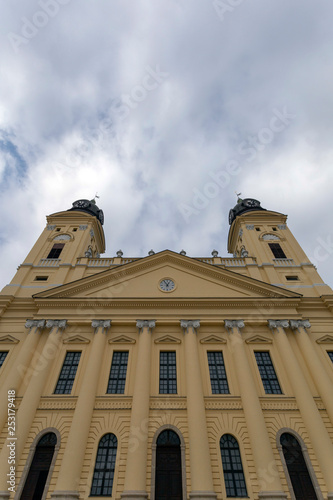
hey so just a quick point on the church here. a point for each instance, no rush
(166, 377)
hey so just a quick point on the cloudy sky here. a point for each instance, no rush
(166, 108)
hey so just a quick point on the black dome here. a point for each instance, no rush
(246, 205)
(89, 207)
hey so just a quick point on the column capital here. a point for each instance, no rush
(236, 323)
(35, 323)
(101, 323)
(59, 324)
(296, 324)
(278, 323)
(145, 323)
(190, 323)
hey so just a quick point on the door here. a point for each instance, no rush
(168, 467)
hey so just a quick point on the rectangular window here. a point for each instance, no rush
(277, 250)
(267, 373)
(117, 378)
(168, 372)
(55, 251)
(68, 372)
(3, 355)
(292, 278)
(41, 278)
(330, 353)
(218, 376)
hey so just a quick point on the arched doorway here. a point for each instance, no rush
(297, 468)
(168, 485)
(35, 483)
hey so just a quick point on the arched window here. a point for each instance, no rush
(168, 467)
(232, 467)
(104, 467)
(297, 469)
(35, 483)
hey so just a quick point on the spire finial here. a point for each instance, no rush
(238, 197)
(94, 198)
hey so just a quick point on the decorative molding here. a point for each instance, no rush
(299, 323)
(35, 323)
(231, 324)
(145, 323)
(122, 339)
(8, 339)
(50, 227)
(279, 405)
(257, 339)
(92, 234)
(77, 339)
(54, 404)
(223, 405)
(270, 237)
(186, 324)
(109, 404)
(167, 339)
(250, 227)
(59, 324)
(62, 237)
(101, 323)
(278, 323)
(83, 227)
(282, 226)
(213, 339)
(327, 339)
(168, 405)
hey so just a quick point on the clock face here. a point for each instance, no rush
(167, 285)
(251, 203)
(231, 216)
(81, 203)
(101, 216)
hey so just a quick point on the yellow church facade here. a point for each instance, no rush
(166, 377)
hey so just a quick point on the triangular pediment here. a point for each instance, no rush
(8, 339)
(122, 339)
(327, 339)
(213, 339)
(76, 339)
(141, 279)
(167, 339)
(258, 339)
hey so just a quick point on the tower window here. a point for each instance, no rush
(55, 251)
(118, 371)
(168, 373)
(274, 228)
(41, 278)
(232, 467)
(257, 228)
(102, 481)
(292, 278)
(277, 250)
(218, 376)
(68, 372)
(3, 355)
(267, 373)
(330, 354)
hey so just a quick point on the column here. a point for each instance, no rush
(200, 460)
(136, 464)
(19, 370)
(71, 466)
(29, 404)
(316, 429)
(271, 488)
(318, 372)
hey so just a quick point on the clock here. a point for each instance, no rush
(251, 203)
(231, 216)
(101, 216)
(81, 203)
(167, 285)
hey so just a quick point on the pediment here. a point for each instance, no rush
(167, 339)
(327, 339)
(258, 339)
(76, 339)
(122, 339)
(141, 278)
(8, 339)
(213, 339)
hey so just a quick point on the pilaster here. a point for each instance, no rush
(136, 465)
(316, 429)
(260, 443)
(71, 467)
(200, 461)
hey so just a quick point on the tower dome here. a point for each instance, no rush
(90, 207)
(246, 205)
